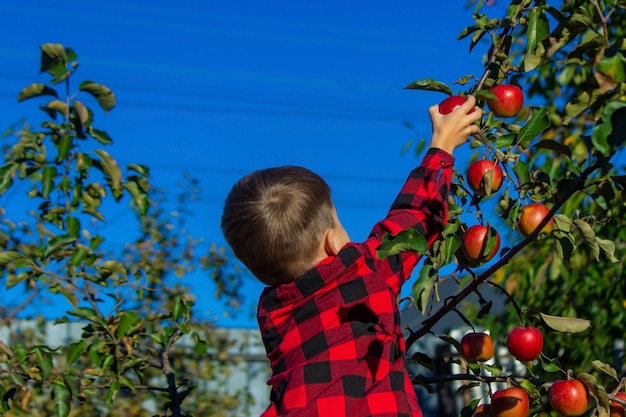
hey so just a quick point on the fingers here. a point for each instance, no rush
(433, 110)
(470, 102)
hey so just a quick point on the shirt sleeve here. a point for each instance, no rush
(422, 205)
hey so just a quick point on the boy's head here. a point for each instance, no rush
(274, 220)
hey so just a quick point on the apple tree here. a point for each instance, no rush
(141, 349)
(554, 95)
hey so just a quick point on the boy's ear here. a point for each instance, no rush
(329, 243)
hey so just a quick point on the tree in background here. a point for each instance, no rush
(564, 275)
(142, 351)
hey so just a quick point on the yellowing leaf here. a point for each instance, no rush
(566, 324)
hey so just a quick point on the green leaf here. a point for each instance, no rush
(69, 294)
(589, 235)
(531, 61)
(73, 227)
(521, 170)
(468, 386)
(57, 243)
(94, 213)
(139, 195)
(470, 408)
(104, 96)
(78, 255)
(7, 398)
(56, 106)
(451, 245)
(430, 85)
(538, 29)
(608, 246)
(406, 240)
(64, 146)
(12, 256)
(554, 146)
(424, 360)
(606, 368)
(551, 365)
(491, 242)
(112, 267)
(99, 135)
(49, 175)
(140, 169)
(63, 399)
(14, 279)
(610, 134)
(613, 65)
(113, 389)
(74, 351)
(423, 287)
(109, 167)
(82, 112)
(51, 53)
(531, 31)
(126, 382)
(538, 122)
(200, 347)
(451, 340)
(44, 359)
(127, 321)
(565, 246)
(55, 59)
(84, 313)
(485, 95)
(595, 389)
(565, 324)
(493, 369)
(563, 223)
(36, 90)
(7, 173)
(179, 308)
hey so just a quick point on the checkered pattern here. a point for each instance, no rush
(333, 336)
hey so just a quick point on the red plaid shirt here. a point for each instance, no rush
(333, 336)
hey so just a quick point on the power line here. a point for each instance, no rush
(268, 27)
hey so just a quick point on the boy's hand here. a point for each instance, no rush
(452, 130)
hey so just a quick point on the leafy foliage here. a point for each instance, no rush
(141, 345)
(560, 150)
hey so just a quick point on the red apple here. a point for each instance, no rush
(530, 217)
(483, 410)
(525, 343)
(476, 347)
(510, 402)
(618, 410)
(474, 244)
(569, 397)
(484, 177)
(509, 100)
(451, 103)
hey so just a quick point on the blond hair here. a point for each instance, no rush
(274, 220)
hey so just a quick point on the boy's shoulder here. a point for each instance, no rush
(325, 276)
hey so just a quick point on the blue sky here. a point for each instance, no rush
(218, 89)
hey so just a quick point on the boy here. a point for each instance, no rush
(329, 318)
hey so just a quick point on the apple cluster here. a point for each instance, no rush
(524, 343)
(567, 397)
(480, 243)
